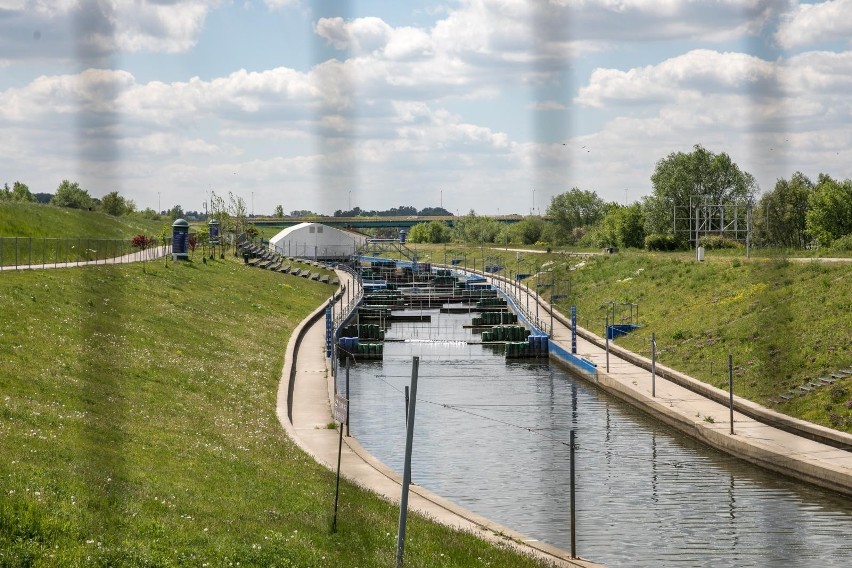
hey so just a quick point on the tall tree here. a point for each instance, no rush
(779, 218)
(701, 176)
(70, 194)
(432, 232)
(114, 204)
(528, 230)
(575, 209)
(830, 213)
(20, 192)
(279, 211)
(623, 226)
(473, 228)
(176, 213)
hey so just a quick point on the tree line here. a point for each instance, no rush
(71, 195)
(796, 213)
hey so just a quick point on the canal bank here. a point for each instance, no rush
(304, 411)
(687, 399)
(761, 436)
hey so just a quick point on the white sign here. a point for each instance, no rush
(340, 408)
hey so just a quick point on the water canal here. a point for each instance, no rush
(491, 435)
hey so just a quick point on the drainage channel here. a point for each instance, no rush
(492, 434)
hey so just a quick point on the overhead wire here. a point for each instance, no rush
(676, 464)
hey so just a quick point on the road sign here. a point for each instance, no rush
(340, 408)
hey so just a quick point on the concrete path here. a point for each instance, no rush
(138, 256)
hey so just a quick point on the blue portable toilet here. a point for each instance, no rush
(180, 239)
(213, 227)
(402, 234)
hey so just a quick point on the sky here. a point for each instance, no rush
(494, 106)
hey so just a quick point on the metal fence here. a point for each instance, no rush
(44, 252)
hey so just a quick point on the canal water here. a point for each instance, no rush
(492, 435)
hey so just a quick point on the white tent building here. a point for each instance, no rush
(316, 241)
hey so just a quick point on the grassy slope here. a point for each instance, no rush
(784, 322)
(36, 220)
(138, 427)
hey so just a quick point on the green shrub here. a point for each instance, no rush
(657, 241)
(843, 244)
(715, 242)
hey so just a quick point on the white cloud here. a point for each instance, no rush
(376, 120)
(277, 4)
(547, 105)
(696, 73)
(74, 30)
(169, 144)
(810, 24)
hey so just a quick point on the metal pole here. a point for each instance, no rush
(748, 231)
(653, 366)
(406, 473)
(731, 390)
(337, 482)
(552, 293)
(538, 270)
(606, 336)
(574, 330)
(348, 360)
(406, 405)
(573, 502)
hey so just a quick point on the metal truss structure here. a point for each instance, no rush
(702, 217)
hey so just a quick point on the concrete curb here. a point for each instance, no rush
(809, 430)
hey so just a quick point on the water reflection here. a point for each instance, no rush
(492, 435)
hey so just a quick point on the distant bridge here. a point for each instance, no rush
(405, 222)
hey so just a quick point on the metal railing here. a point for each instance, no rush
(46, 252)
(349, 300)
(528, 302)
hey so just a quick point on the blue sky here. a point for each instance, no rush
(489, 105)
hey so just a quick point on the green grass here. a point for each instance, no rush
(138, 428)
(37, 220)
(785, 322)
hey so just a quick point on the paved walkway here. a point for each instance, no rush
(138, 256)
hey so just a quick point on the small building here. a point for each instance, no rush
(316, 241)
